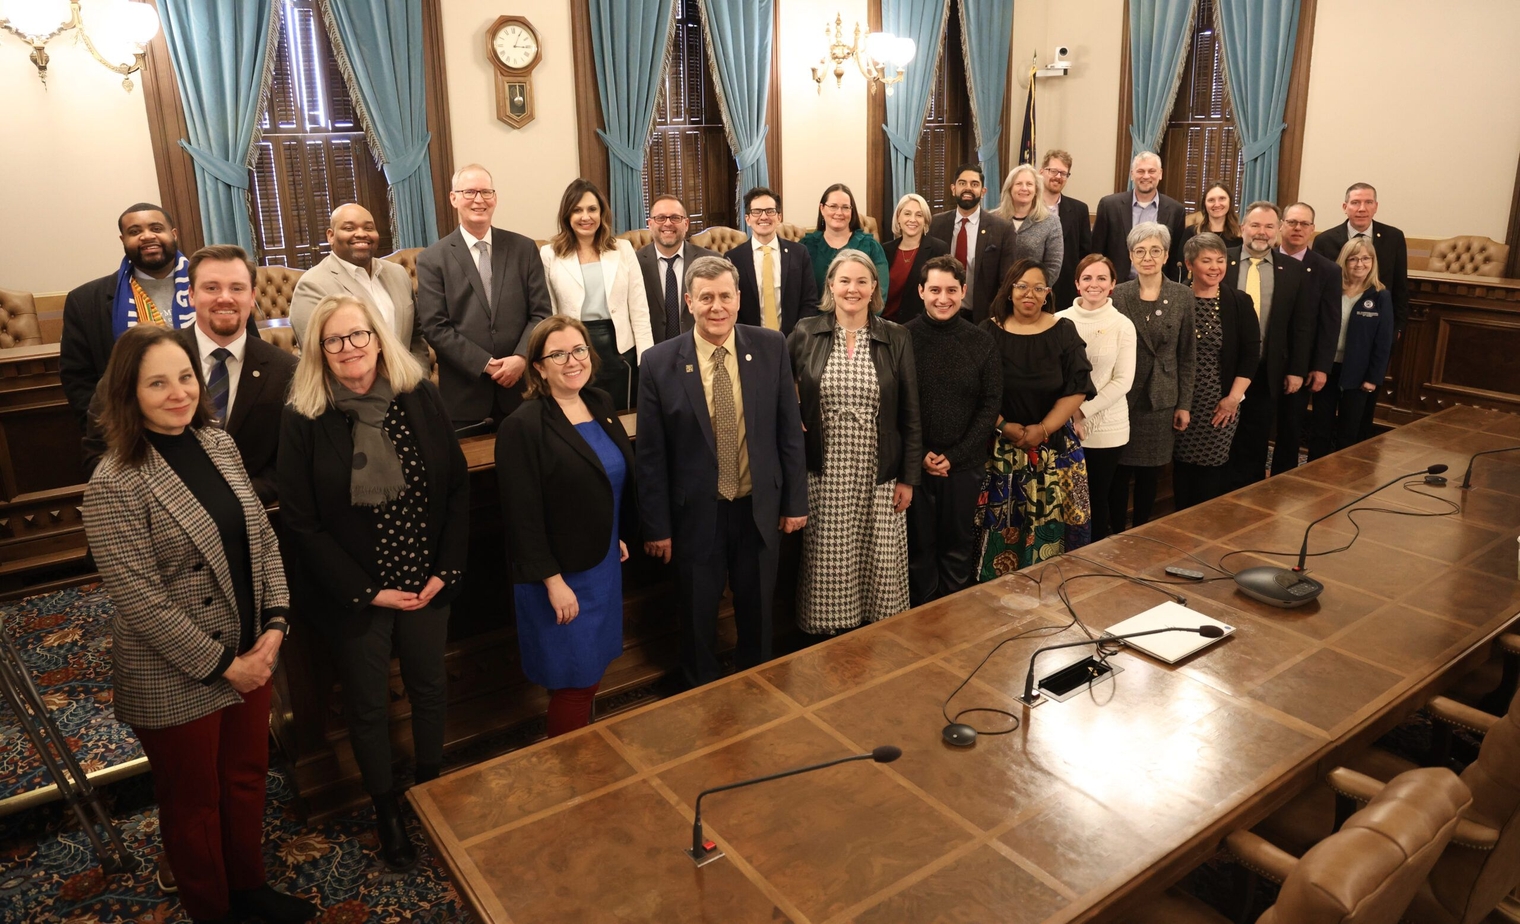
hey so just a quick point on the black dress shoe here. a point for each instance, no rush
(274, 907)
(395, 847)
(427, 773)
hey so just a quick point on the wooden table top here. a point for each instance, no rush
(1113, 793)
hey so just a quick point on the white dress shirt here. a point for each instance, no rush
(775, 246)
(369, 282)
(677, 263)
(205, 346)
(973, 225)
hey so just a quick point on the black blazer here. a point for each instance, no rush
(654, 289)
(543, 462)
(1076, 230)
(1393, 262)
(677, 455)
(899, 432)
(1288, 339)
(994, 256)
(1240, 351)
(333, 541)
(1115, 221)
(799, 290)
(1323, 279)
(911, 304)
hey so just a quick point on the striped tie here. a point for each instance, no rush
(216, 382)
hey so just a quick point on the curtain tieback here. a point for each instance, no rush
(754, 151)
(234, 175)
(903, 145)
(407, 163)
(1140, 144)
(989, 148)
(1252, 150)
(634, 160)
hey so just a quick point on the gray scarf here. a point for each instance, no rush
(376, 477)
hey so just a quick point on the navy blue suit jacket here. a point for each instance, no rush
(799, 292)
(1369, 340)
(676, 453)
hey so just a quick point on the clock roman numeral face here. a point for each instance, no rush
(515, 46)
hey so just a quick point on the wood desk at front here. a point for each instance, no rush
(1090, 803)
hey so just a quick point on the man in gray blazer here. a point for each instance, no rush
(352, 269)
(664, 261)
(480, 293)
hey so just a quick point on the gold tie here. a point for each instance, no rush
(1253, 285)
(769, 316)
(725, 426)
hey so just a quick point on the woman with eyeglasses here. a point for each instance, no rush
(839, 228)
(1035, 502)
(1361, 352)
(375, 499)
(563, 462)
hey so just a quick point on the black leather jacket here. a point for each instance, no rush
(899, 440)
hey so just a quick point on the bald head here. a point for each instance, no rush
(351, 232)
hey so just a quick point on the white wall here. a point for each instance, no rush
(823, 135)
(75, 155)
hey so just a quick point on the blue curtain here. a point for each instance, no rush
(1159, 31)
(1258, 59)
(986, 31)
(220, 54)
(380, 50)
(739, 35)
(923, 21)
(629, 42)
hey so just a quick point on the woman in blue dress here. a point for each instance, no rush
(563, 461)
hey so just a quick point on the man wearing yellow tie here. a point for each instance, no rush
(1277, 287)
(776, 286)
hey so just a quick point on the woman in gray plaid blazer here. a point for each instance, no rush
(194, 573)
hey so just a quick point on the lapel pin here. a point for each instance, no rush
(255, 373)
(688, 367)
(747, 357)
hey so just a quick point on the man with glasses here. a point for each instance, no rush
(1120, 212)
(982, 241)
(1322, 279)
(776, 282)
(1076, 227)
(664, 261)
(480, 293)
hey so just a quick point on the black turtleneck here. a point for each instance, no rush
(960, 386)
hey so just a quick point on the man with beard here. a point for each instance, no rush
(352, 269)
(979, 239)
(1075, 225)
(1120, 212)
(664, 261)
(152, 286)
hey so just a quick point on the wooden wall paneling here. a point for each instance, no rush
(1291, 156)
(177, 189)
(875, 197)
(1126, 108)
(1512, 236)
(588, 106)
(441, 146)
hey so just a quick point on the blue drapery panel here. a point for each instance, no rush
(630, 42)
(987, 36)
(739, 34)
(379, 46)
(1258, 36)
(220, 54)
(923, 21)
(1159, 32)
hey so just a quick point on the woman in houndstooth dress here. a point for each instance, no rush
(859, 397)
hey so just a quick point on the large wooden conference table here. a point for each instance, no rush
(1089, 805)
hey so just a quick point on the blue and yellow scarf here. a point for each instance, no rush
(133, 307)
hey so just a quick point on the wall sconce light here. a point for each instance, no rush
(122, 27)
(882, 60)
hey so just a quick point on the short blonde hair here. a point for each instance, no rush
(1037, 209)
(915, 199)
(311, 387)
(1363, 245)
(849, 255)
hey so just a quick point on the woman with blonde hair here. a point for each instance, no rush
(906, 256)
(1039, 231)
(374, 497)
(1362, 351)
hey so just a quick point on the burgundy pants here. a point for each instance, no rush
(209, 779)
(570, 709)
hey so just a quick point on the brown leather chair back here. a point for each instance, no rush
(638, 237)
(1469, 255)
(719, 238)
(871, 226)
(791, 232)
(1368, 872)
(18, 320)
(407, 259)
(273, 287)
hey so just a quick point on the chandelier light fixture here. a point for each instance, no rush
(116, 32)
(882, 59)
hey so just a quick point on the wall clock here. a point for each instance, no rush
(512, 46)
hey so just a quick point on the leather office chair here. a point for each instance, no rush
(273, 287)
(791, 232)
(407, 259)
(1468, 255)
(1366, 873)
(719, 238)
(638, 237)
(18, 320)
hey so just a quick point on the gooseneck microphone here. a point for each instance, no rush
(1292, 587)
(703, 851)
(1467, 475)
(1032, 696)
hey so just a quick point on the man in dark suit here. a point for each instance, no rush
(1076, 227)
(480, 293)
(1279, 289)
(664, 261)
(1323, 279)
(1120, 212)
(979, 239)
(721, 467)
(1361, 206)
(793, 291)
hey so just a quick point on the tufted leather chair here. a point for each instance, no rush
(1366, 873)
(638, 237)
(407, 259)
(1468, 255)
(872, 226)
(18, 320)
(719, 238)
(273, 287)
(791, 232)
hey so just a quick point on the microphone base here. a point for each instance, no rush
(706, 856)
(1279, 587)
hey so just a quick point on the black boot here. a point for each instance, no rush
(426, 772)
(395, 847)
(274, 907)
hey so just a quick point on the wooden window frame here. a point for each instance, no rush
(178, 191)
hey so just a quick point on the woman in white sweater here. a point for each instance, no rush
(1103, 421)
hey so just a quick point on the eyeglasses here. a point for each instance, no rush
(486, 194)
(1057, 174)
(1295, 223)
(1021, 288)
(666, 219)
(1360, 258)
(766, 213)
(359, 339)
(836, 208)
(560, 357)
(1152, 252)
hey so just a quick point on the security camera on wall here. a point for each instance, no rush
(1060, 66)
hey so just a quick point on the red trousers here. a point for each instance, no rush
(570, 709)
(209, 778)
